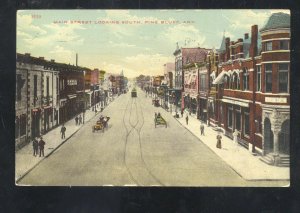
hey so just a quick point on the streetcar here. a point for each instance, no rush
(133, 93)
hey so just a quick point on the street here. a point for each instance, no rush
(132, 152)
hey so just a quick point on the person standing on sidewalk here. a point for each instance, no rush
(219, 142)
(35, 145)
(63, 131)
(202, 128)
(76, 120)
(182, 112)
(187, 119)
(41, 146)
(80, 120)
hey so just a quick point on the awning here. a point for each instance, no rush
(213, 75)
(72, 96)
(89, 92)
(219, 79)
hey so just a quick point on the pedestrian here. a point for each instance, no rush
(63, 131)
(80, 120)
(41, 146)
(219, 142)
(35, 145)
(202, 128)
(76, 120)
(187, 119)
(182, 112)
(235, 136)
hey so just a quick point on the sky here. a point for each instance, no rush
(135, 41)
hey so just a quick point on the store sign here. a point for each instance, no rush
(71, 82)
(239, 103)
(275, 100)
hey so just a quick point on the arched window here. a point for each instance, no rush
(245, 79)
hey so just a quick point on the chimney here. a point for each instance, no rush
(254, 36)
(246, 36)
(76, 59)
(227, 53)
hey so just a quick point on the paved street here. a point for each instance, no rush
(133, 152)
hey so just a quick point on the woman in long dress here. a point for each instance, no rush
(219, 142)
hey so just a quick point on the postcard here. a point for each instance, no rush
(153, 98)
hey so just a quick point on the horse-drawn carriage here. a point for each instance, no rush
(159, 120)
(101, 124)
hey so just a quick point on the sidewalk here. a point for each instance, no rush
(25, 161)
(237, 157)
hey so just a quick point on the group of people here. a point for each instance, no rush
(38, 146)
(78, 120)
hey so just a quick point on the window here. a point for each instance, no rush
(284, 45)
(268, 46)
(47, 90)
(202, 82)
(34, 90)
(238, 120)
(245, 79)
(258, 78)
(20, 83)
(268, 78)
(229, 118)
(17, 127)
(23, 125)
(238, 87)
(283, 76)
(246, 123)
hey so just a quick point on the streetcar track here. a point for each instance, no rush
(141, 150)
(125, 145)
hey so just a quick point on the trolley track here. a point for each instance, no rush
(137, 128)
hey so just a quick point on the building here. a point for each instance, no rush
(36, 98)
(272, 90)
(255, 97)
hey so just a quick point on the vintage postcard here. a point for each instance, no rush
(153, 98)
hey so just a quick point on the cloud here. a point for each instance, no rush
(61, 54)
(147, 64)
(186, 35)
(113, 44)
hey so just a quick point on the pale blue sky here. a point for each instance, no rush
(136, 48)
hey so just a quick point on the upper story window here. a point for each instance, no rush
(284, 45)
(258, 78)
(34, 89)
(268, 46)
(245, 79)
(268, 78)
(283, 76)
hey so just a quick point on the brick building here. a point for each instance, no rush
(254, 89)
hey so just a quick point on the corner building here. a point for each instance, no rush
(254, 83)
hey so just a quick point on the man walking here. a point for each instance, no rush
(181, 112)
(76, 120)
(41, 146)
(63, 131)
(35, 145)
(187, 119)
(80, 119)
(202, 128)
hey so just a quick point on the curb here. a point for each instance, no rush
(254, 179)
(53, 150)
